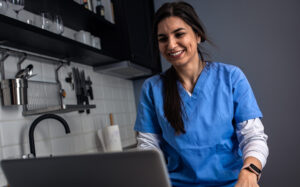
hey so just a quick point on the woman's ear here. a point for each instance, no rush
(198, 39)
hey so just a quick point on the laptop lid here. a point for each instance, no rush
(126, 169)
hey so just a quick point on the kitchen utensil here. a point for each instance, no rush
(25, 73)
(14, 91)
(77, 86)
(84, 90)
(90, 89)
(30, 74)
(69, 79)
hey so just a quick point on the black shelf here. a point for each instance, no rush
(16, 34)
(86, 17)
(74, 16)
(129, 39)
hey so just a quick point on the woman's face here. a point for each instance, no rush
(177, 41)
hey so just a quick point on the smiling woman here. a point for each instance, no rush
(200, 115)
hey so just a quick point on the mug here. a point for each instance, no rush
(83, 37)
(96, 42)
(26, 17)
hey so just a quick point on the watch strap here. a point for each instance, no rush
(252, 168)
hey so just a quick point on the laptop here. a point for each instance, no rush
(124, 169)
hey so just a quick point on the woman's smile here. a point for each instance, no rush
(176, 54)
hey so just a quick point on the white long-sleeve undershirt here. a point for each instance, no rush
(250, 134)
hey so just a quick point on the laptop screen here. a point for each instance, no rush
(129, 169)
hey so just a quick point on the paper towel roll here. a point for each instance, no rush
(111, 138)
(100, 136)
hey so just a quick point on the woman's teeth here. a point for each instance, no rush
(175, 54)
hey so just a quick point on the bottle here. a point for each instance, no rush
(85, 4)
(88, 4)
(100, 8)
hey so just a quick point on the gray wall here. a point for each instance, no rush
(263, 38)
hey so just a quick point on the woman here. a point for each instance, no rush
(202, 115)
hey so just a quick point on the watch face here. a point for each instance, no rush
(255, 168)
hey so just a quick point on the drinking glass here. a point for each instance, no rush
(46, 21)
(58, 24)
(16, 5)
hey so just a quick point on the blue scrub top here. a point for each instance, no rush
(208, 153)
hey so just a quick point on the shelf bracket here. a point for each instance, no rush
(4, 56)
(22, 58)
(58, 82)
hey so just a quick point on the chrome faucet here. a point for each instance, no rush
(39, 119)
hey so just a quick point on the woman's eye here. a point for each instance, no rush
(162, 39)
(178, 35)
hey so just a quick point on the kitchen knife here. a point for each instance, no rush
(80, 88)
(77, 87)
(84, 91)
(90, 89)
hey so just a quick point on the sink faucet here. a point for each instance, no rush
(39, 119)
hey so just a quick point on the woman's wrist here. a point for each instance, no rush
(248, 174)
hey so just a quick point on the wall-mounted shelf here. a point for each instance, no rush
(75, 16)
(33, 108)
(129, 38)
(16, 34)
(58, 109)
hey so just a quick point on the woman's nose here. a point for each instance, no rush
(171, 43)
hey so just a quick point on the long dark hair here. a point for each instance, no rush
(172, 102)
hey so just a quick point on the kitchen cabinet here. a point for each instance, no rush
(128, 39)
(137, 33)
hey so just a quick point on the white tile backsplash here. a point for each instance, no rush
(48, 72)
(43, 148)
(91, 140)
(99, 92)
(63, 146)
(10, 64)
(87, 124)
(10, 113)
(80, 143)
(100, 121)
(111, 95)
(12, 152)
(14, 132)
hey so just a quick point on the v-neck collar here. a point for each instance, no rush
(198, 87)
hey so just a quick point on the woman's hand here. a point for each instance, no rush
(246, 179)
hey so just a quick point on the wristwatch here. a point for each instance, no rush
(252, 168)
